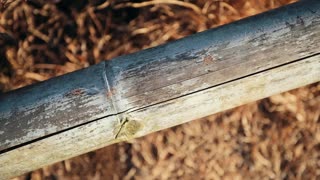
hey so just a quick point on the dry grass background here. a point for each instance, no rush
(274, 138)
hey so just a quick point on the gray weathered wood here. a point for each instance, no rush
(54, 105)
(157, 88)
(100, 133)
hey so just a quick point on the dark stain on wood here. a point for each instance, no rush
(208, 60)
(75, 92)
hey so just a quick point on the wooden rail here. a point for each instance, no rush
(134, 95)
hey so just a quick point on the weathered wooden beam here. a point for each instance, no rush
(157, 88)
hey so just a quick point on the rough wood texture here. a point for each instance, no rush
(137, 94)
(54, 105)
(100, 133)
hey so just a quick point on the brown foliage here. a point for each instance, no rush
(278, 137)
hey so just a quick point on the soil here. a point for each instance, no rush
(274, 138)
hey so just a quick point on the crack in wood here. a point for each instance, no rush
(236, 79)
(123, 121)
(128, 128)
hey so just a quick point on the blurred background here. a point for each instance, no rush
(274, 138)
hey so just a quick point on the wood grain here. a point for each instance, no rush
(133, 95)
(100, 133)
